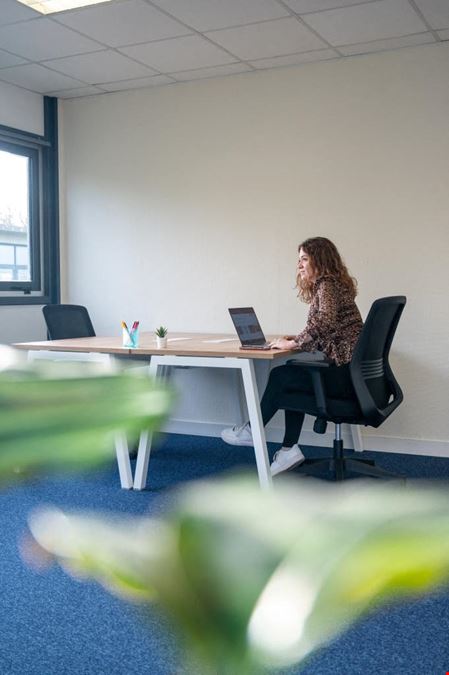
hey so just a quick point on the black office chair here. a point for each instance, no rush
(67, 321)
(376, 392)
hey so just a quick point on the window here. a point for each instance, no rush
(19, 222)
(29, 241)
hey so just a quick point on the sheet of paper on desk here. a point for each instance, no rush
(219, 340)
(178, 339)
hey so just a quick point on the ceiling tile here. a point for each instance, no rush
(217, 71)
(301, 6)
(123, 24)
(7, 60)
(142, 82)
(129, 44)
(183, 53)
(264, 40)
(41, 39)
(436, 12)
(37, 78)
(370, 21)
(106, 66)
(13, 11)
(383, 45)
(76, 93)
(295, 59)
(206, 15)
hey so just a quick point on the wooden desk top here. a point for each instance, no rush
(179, 344)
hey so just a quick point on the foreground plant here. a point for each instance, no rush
(56, 415)
(253, 579)
(259, 580)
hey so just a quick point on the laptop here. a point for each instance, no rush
(248, 328)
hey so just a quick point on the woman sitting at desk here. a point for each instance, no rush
(333, 327)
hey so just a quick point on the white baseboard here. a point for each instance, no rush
(410, 446)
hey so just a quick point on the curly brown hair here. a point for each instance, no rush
(325, 261)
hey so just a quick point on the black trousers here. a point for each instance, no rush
(289, 384)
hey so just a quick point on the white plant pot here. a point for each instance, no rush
(161, 342)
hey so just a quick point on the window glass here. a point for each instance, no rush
(23, 258)
(6, 254)
(14, 216)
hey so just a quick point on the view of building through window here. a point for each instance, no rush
(14, 217)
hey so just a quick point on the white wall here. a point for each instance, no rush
(184, 200)
(22, 110)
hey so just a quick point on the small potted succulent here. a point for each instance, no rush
(161, 337)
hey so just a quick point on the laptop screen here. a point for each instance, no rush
(247, 325)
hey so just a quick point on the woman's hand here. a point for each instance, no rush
(283, 343)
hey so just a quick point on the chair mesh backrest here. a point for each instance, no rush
(67, 321)
(376, 387)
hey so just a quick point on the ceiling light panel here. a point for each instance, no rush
(52, 6)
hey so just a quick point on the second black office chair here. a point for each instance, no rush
(376, 393)
(67, 321)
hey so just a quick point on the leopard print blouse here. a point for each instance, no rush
(333, 324)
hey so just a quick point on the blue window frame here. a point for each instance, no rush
(29, 205)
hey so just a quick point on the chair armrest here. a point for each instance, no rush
(313, 359)
(315, 369)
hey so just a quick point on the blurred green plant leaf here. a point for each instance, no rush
(258, 579)
(65, 416)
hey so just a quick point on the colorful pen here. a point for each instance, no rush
(125, 327)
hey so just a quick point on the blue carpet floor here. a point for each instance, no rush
(52, 624)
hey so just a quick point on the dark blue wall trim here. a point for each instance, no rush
(51, 201)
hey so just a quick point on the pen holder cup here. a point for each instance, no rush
(130, 338)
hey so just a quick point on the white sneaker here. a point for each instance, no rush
(286, 459)
(238, 435)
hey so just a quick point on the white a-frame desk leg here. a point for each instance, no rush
(143, 452)
(124, 465)
(255, 419)
(252, 400)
